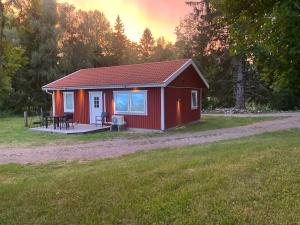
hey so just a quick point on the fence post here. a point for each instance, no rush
(25, 119)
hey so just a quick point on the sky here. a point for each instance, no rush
(160, 16)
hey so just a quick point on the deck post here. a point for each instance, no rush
(25, 119)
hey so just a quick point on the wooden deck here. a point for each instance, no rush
(78, 129)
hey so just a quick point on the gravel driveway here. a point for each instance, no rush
(118, 147)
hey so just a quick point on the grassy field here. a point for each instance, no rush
(253, 180)
(12, 132)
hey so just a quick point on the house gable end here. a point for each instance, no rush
(188, 78)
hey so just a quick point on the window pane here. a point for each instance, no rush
(121, 102)
(138, 102)
(194, 99)
(69, 101)
(96, 102)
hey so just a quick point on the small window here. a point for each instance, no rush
(194, 99)
(96, 102)
(68, 101)
(130, 102)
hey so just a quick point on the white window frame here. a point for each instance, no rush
(129, 112)
(197, 105)
(65, 101)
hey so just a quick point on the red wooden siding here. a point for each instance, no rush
(59, 102)
(188, 78)
(149, 121)
(178, 101)
(81, 108)
(81, 105)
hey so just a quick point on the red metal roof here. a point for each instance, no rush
(136, 74)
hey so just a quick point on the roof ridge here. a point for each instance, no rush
(155, 74)
(147, 63)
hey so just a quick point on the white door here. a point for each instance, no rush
(95, 105)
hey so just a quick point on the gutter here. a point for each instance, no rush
(103, 87)
(46, 90)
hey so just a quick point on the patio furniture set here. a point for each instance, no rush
(59, 121)
(66, 121)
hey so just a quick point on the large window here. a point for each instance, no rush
(130, 102)
(68, 102)
(194, 99)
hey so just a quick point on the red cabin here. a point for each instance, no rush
(156, 96)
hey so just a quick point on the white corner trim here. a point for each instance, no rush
(162, 108)
(53, 104)
(104, 102)
(174, 75)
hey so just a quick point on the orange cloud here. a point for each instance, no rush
(160, 17)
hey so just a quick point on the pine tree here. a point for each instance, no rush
(163, 50)
(119, 42)
(146, 45)
(214, 44)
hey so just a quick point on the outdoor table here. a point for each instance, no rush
(46, 119)
(56, 121)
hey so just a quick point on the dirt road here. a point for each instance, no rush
(118, 147)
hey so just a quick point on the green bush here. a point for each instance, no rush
(285, 100)
(210, 102)
(257, 107)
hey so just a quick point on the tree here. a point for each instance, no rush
(163, 50)
(186, 32)
(206, 42)
(2, 23)
(131, 54)
(36, 24)
(11, 59)
(146, 45)
(269, 31)
(215, 43)
(84, 39)
(119, 42)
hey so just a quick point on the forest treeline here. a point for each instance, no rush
(248, 51)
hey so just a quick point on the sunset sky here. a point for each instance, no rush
(161, 16)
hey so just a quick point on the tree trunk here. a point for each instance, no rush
(1, 20)
(240, 83)
(1, 35)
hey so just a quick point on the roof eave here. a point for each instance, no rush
(104, 87)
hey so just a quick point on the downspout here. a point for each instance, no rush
(53, 100)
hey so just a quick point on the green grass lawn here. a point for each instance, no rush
(253, 180)
(12, 132)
